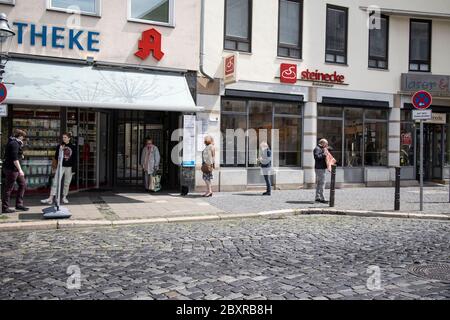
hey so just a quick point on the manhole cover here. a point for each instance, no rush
(436, 271)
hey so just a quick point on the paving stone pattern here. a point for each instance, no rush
(303, 257)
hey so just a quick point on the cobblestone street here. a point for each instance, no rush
(307, 257)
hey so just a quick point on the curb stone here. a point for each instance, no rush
(72, 224)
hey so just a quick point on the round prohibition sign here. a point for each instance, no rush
(3, 92)
(422, 100)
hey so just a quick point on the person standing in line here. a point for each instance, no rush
(265, 161)
(208, 164)
(13, 172)
(69, 160)
(320, 156)
(150, 159)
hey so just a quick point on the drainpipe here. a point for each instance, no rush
(202, 42)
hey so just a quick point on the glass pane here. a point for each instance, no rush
(354, 140)
(230, 45)
(420, 42)
(290, 22)
(152, 10)
(447, 142)
(78, 5)
(287, 108)
(290, 134)
(336, 30)
(332, 131)
(378, 41)
(324, 111)
(242, 46)
(382, 64)
(376, 114)
(424, 67)
(413, 67)
(340, 59)
(237, 18)
(233, 129)
(407, 131)
(284, 52)
(294, 53)
(376, 144)
(330, 58)
(233, 106)
(260, 126)
(372, 63)
(405, 115)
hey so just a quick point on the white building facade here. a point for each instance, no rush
(342, 70)
(112, 73)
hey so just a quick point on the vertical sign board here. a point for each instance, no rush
(421, 100)
(230, 69)
(189, 141)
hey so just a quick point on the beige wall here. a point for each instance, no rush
(119, 38)
(263, 64)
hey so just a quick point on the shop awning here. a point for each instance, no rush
(64, 85)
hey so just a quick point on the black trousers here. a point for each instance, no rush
(268, 185)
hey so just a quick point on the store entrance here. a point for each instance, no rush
(133, 127)
(433, 152)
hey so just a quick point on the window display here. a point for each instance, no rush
(43, 132)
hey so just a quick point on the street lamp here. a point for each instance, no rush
(6, 35)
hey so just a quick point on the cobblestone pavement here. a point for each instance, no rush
(436, 200)
(305, 257)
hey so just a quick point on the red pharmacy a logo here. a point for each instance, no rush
(150, 43)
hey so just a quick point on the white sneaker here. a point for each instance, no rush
(47, 201)
(65, 201)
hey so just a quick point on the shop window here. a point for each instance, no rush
(333, 112)
(420, 46)
(376, 139)
(151, 11)
(336, 35)
(332, 131)
(288, 122)
(290, 28)
(353, 137)
(447, 142)
(379, 44)
(240, 146)
(407, 138)
(82, 6)
(8, 1)
(260, 128)
(238, 25)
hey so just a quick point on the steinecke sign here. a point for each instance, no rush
(57, 37)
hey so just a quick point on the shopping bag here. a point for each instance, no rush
(151, 183)
(157, 182)
(331, 161)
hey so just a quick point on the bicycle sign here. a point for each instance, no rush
(422, 100)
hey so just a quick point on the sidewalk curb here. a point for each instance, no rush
(73, 224)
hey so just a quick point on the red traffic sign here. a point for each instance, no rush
(422, 100)
(3, 92)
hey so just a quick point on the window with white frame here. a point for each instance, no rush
(151, 11)
(82, 6)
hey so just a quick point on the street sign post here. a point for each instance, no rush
(421, 100)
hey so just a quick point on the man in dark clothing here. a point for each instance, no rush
(320, 156)
(13, 172)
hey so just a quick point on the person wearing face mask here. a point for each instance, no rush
(13, 172)
(69, 160)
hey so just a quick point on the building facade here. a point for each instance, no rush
(112, 73)
(341, 70)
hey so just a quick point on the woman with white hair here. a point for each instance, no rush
(208, 164)
(320, 157)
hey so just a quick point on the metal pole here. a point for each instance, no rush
(421, 165)
(397, 189)
(1, 157)
(333, 185)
